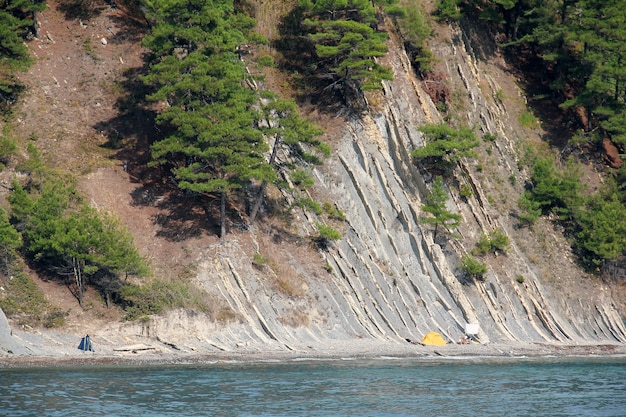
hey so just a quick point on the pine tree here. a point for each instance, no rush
(10, 241)
(292, 134)
(553, 190)
(436, 207)
(67, 237)
(603, 229)
(346, 45)
(16, 21)
(445, 145)
(197, 71)
(602, 31)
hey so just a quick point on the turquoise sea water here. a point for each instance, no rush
(380, 387)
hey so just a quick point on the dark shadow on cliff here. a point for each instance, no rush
(485, 40)
(181, 215)
(535, 79)
(299, 60)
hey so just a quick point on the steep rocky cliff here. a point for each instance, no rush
(387, 280)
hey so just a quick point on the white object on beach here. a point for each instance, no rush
(471, 329)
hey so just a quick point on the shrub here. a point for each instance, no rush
(310, 205)
(8, 147)
(396, 11)
(483, 246)
(489, 137)
(333, 212)
(447, 10)
(158, 297)
(265, 61)
(499, 241)
(25, 302)
(466, 191)
(473, 268)
(302, 178)
(527, 119)
(553, 190)
(326, 234)
(494, 242)
(259, 260)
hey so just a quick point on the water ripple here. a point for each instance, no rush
(377, 388)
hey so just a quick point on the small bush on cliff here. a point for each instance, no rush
(494, 242)
(436, 207)
(158, 296)
(473, 268)
(326, 234)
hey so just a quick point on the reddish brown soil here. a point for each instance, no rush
(80, 109)
(74, 111)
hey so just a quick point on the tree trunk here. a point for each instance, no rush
(223, 217)
(79, 279)
(259, 198)
(257, 204)
(35, 25)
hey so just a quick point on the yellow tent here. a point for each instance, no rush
(433, 339)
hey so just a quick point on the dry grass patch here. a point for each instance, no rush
(295, 318)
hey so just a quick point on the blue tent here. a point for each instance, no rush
(85, 344)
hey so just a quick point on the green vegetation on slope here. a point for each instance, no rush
(64, 235)
(16, 24)
(346, 44)
(219, 127)
(436, 207)
(579, 43)
(575, 51)
(596, 223)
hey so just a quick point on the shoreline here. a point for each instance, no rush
(349, 352)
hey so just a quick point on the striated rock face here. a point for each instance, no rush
(389, 280)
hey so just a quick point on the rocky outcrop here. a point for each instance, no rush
(389, 280)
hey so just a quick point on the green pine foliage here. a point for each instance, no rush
(435, 206)
(292, 136)
(448, 10)
(581, 43)
(580, 48)
(10, 242)
(16, 23)
(495, 241)
(415, 30)
(596, 222)
(553, 191)
(8, 148)
(326, 235)
(213, 145)
(599, 27)
(445, 145)
(602, 225)
(473, 268)
(346, 45)
(62, 234)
